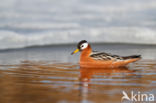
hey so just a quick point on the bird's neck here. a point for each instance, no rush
(86, 52)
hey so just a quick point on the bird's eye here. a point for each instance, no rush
(83, 46)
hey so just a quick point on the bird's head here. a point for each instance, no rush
(82, 45)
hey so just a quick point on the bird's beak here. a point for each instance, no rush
(77, 50)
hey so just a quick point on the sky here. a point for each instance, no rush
(41, 22)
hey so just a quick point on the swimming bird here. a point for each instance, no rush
(89, 58)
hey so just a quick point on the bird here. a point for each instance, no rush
(89, 58)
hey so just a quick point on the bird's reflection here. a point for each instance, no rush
(87, 73)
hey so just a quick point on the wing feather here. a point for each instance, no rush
(104, 56)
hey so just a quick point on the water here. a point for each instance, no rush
(38, 82)
(37, 22)
(50, 74)
(62, 53)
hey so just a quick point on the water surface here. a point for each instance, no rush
(50, 74)
(38, 82)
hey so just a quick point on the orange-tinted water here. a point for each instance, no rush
(52, 82)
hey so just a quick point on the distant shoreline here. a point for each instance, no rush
(73, 44)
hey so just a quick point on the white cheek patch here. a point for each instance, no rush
(84, 45)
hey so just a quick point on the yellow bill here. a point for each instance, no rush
(77, 50)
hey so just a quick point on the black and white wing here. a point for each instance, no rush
(105, 56)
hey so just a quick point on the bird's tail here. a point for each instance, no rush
(132, 57)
